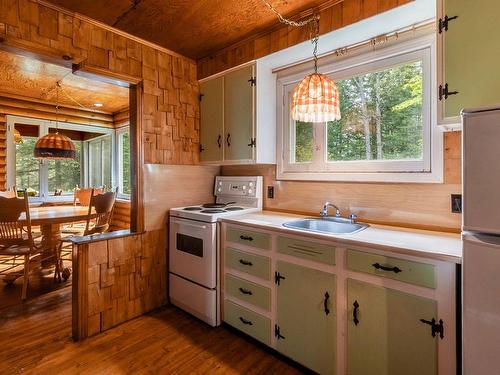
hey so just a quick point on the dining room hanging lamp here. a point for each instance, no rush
(55, 146)
(316, 98)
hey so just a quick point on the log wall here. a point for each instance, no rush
(3, 152)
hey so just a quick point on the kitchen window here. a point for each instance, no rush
(123, 148)
(386, 132)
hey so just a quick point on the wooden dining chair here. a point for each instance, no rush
(82, 195)
(11, 193)
(16, 239)
(98, 221)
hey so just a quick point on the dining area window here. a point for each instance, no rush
(102, 159)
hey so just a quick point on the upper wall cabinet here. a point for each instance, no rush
(469, 49)
(228, 133)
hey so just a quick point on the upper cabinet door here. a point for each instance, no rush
(306, 317)
(470, 55)
(385, 334)
(212, 120)
(239, 114)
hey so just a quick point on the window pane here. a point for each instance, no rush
(27, 167)
(65, 175)
(106, 162)
(303, 142)
(381, 116)
(125, 166)
(95, 165)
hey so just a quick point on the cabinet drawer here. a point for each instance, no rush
(249, 238)
(247, 291)
(307, 250)
(255, 265)
(253, 324)
(393, 268)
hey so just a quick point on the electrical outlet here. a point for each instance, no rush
(456, 203)
(270, 192)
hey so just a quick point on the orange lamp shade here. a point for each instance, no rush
(316, 99)
(55, 146)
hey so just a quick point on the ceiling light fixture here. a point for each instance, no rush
(316, 98)
(55, 146)
(98, 104)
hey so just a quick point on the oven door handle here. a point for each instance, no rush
(199, 226)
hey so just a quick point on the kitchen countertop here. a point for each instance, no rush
(421, 243)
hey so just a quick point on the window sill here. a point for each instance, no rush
(382, 177)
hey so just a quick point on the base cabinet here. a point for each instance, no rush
(385, 334)
(337, 309)
(306, 316)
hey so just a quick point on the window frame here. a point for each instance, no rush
(43, 126)
(429, 169)
(119, 160)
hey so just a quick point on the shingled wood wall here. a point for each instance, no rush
(334, 14)
(171, 114)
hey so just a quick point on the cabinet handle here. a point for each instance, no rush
(246, 238)
(219, 141)
(378, 266)
(228, 140)
(325, 303)
(246, 291)
(247, 322)
(355, 313)
(246, 262)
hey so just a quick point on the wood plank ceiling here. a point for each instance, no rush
(21, 76)
(194, 28)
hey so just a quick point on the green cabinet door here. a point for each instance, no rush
(385, 335)
(238, 114)
(212, 120)
(306, 317)
(471, 54)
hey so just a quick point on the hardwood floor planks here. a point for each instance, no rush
(35, 339)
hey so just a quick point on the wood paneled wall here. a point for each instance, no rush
(171, 115)
(116, 280)
(339, 14)
(121, 215)
(3, 151)
(424, 206)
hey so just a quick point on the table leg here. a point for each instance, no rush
(51, 236)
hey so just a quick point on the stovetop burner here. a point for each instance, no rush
(234, 208)
(194, 208)
(213, 211)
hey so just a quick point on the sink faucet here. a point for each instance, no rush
(324, 211)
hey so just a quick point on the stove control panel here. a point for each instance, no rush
(238, 186)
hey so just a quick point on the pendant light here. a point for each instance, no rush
(316, 98)
(55, 146)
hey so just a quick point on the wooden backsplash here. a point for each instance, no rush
(425, 206)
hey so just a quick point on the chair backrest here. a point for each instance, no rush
(102, 205)
(12, 231)
(82, 196)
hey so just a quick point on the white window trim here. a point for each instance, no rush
(119, 161)
(430, 171)
(44, 126)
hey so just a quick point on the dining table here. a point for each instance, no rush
(50, 219)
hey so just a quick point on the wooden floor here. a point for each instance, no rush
(35, 339)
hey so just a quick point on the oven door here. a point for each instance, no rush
(193, 251)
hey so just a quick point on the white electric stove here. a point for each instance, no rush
(194, 245)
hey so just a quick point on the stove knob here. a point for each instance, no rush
(219, 190)
(244, 187)
(220, 183)
(251, 184)
(250, 191)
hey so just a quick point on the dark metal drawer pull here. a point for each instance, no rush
(247, 322)
(325, 303)
(245, 291)
(246, 238)
(355, 313)
(219, 141)
(378, 266)
(246, 262)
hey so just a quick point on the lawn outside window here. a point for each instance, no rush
(387, 132)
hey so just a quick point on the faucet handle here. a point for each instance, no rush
(353, 218)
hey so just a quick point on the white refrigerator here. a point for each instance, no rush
(481, 241)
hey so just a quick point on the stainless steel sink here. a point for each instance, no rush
(330, 225)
